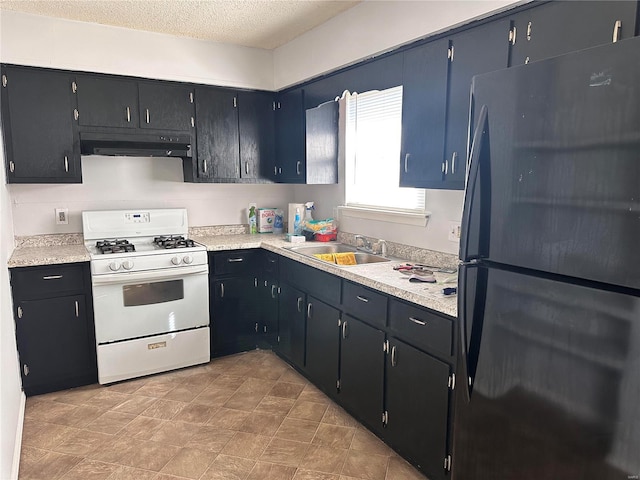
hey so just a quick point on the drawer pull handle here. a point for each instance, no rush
(418, 322)
(128, 114)
(234, 260)
(616, 30)
(52, 277)
(300, 304)
(362, 299)
(394, 361)
(273, 291)
(77, 309)
(148, 116)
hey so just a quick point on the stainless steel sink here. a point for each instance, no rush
(361, 257)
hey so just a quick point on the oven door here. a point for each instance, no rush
(139, 304)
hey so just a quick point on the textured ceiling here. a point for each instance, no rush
(252, 23)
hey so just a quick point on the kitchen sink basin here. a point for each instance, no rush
(361, 257)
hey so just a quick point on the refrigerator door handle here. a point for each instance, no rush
(462, 331)
(479, 137)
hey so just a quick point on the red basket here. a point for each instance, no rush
(325, 237)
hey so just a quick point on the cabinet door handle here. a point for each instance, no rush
(454, 157)
(273, 291)
(52, 277)
(298, 167)
(204, 166)
(76, 114)
(512, 35)
(275, 170)
(74, 87)
(299, 304)
(529, 32)
(616, 30)
(77, 309)
(445, 166)
(235, 260)
(66, 164)
(4, 80)
(221, 290)
(362, 299)
(417, 321)
(255, 282)
(344, 329)
(25, 369)
(20, 312)
(12, 166)
(393, 356)
(450, 53)
(309, 310)
(148, 119)
(193, 122)
(191, 97)
(256, 327)
(246, 168)
(128, 114)
(235, 102)
(406, 162)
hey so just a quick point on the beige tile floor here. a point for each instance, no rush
(244, 417)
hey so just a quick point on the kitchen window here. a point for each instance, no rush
(372, 151)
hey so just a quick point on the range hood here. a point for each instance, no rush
(135, 144)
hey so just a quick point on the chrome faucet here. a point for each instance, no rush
(383, 247)
(366, 244)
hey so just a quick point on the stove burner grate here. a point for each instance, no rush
(115, 246)
(173, 241)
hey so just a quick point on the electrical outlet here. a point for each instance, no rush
(454, 231)
(62, 216)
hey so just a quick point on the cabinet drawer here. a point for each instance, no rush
(421, 328)
(42, 282)
(364, 304)
(233, 262)
(322, 285)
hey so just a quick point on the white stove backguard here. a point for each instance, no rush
(129, 224)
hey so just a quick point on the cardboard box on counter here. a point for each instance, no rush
(266, 217)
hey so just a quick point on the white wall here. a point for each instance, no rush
(369, 28)
(10, 384)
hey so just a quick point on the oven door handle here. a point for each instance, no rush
(149, 275)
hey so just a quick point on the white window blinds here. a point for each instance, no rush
(373, 134)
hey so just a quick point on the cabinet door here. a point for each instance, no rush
(217, 133)
(321, 137)
(290, 139)
(233, 327)
(323, 344)
(257, 132)
(55, 342)
(417, 405)
(107, 102)
(362, 371)
(556, 28)
(424, 103)
(166, 107)
(479, 50)
(38, 126)
(292, 324)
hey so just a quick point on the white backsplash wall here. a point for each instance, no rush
(114, 183)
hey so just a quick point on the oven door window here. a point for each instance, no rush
(151, 293)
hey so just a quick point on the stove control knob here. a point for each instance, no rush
(127, 264)
(176, 260)
(114, 266)
(188, 259)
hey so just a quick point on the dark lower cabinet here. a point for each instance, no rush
(53, 313)
(39, 127)
(362, 371)
(268, 289)
(417, 406)
(291, 324)
(323, 344)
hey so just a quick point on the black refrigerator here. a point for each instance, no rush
(548, 371)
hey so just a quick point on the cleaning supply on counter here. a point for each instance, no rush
(278, 222)
(297, 225)
(292, 213)
(266, 220)
(253, 222)
(308, 217)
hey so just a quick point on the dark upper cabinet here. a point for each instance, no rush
(217, 133)
(257, 135)
(165, 106)
(555, 28)
(290, 138)
(417, 406)
(479, 50)
(424, 106)
(39, 126)
(104, 101)
(322, 143)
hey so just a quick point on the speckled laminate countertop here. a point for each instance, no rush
(378, 276)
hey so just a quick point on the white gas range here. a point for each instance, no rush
(150, 292)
